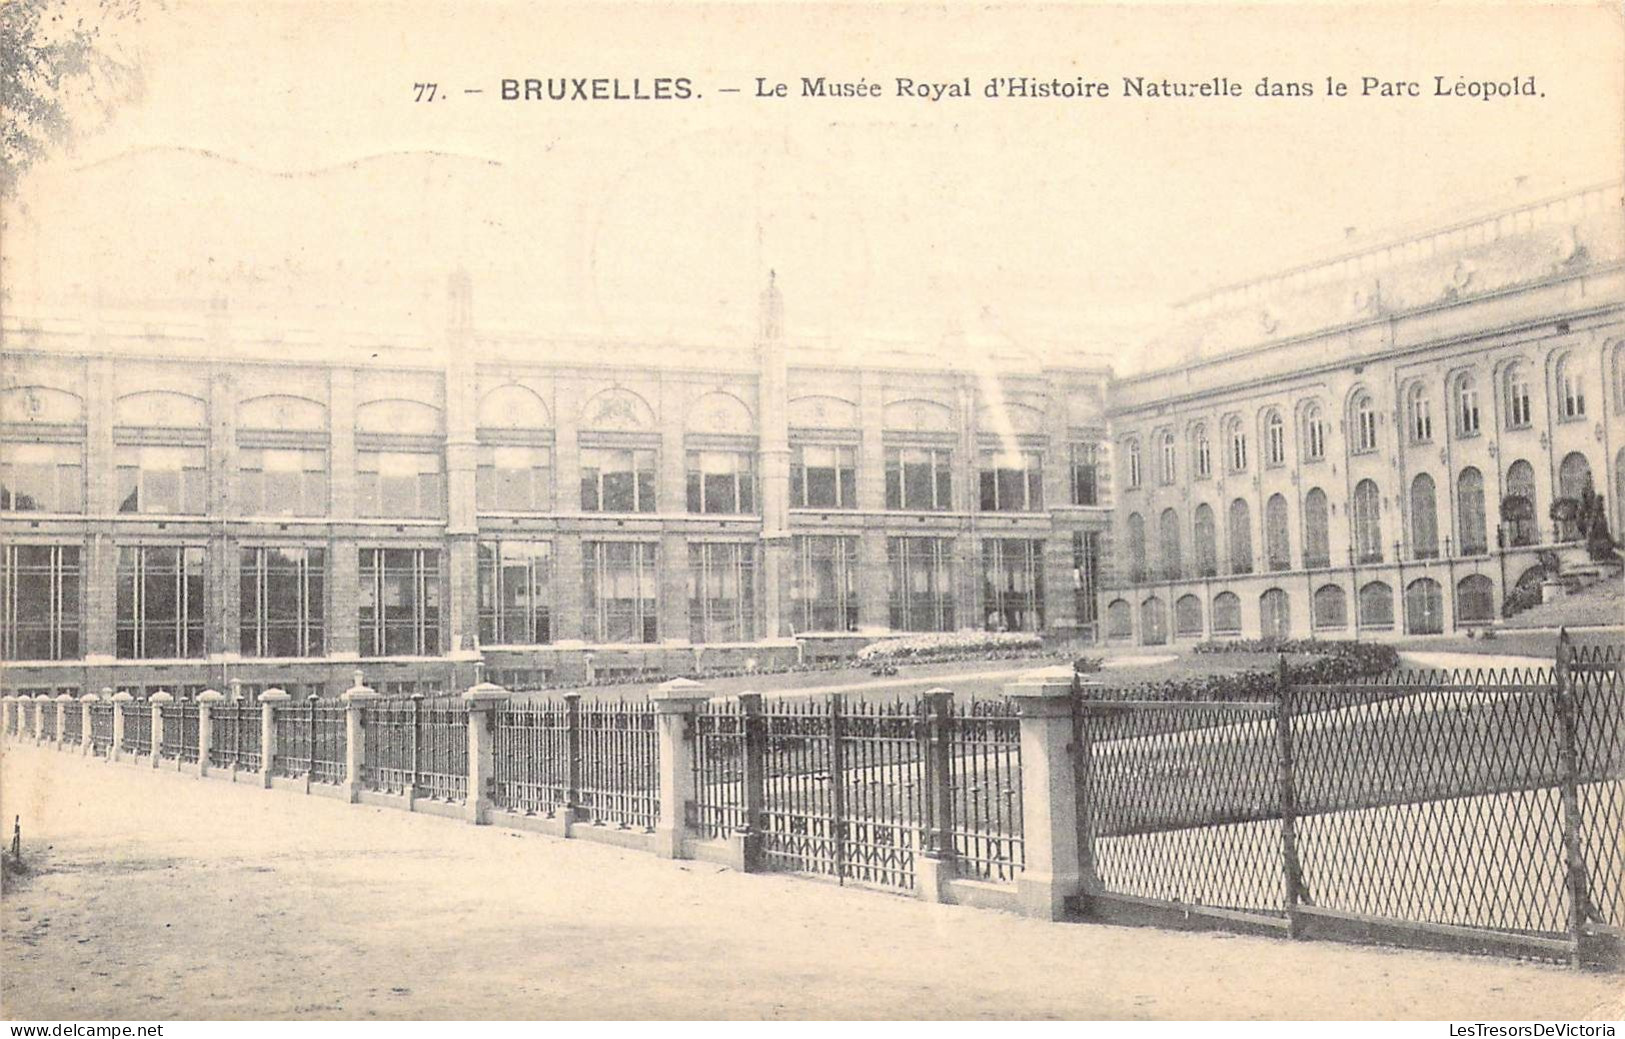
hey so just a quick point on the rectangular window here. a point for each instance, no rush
(1012, 481)
(1519, 411)
(160, 601)
(515, 580)
(824, 588)
(919, 478)
(276, 481)
(617, 479)
(514, 478)
(1469, 411)
(619, 582)
(165, 481)
(721, 593)
(722, 482)
(399, 604)
(921, 585)
(1084, 474)
(282, 603)
(399, 485)
(1085, 568)
(1013, 584)
(824, 476)
(41, 478)
(39, 602)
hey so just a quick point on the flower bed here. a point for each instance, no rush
(1308, 661)
(952, 644)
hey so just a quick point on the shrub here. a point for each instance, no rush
(1329, 661)
(931, 645)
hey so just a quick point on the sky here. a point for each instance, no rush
(278, 156)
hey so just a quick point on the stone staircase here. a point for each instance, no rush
(1593, 595)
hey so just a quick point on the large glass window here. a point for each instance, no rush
(1013, 583)
(1314, 434)
(1238, 446)
(1226, 614)
(1135, 543)
(1364, 414)
(160, 601)
(1421, 408)
(1274, 439)
(399, 484)
(1329, 608)
(1012, 481)
(1168, 545)
(281, 602)
(514, 599)
(824, 476)
(279, 481)
(1241, 537)
(921, 585)
(1085, 574)
(1424, 518)
(619, 582)
(721, 481)
(1519, 410)
(1085, 474)
(514, 478)
(1317, 551)
(1206, 539)
(1204, 454)
(1169, 458)
(1470, 507)
(1367, 522)
(41, 478)
(919, 478)
(1376, 606)
(1277, 534)
(1467, 419)
(615, 479)
(1571, 394)
(39, 602)
(721, 593)
(399, 602)
(1131, 462)
(166, 481)
(824, 590)
(1518, 507)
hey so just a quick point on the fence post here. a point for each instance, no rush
(62, 703)
(483, 699)
(934, 867)
(837, 785)
(85, 742)
(675, 703)
(753, 782)
(1053, 873)
(270, 700)
(417, 749)
(8, 715)
(116, 751)
(158, 700)
(1568, 763)
(39, 716)
(356, 699)
(205, 728)
(572, 758)
(1287, 784)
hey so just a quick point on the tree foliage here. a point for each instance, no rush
(61, 76)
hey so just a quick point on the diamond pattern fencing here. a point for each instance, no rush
(235, 736)
(984, 767)
(1599, 700)
(619, 763)
(101, 726)
(137, 727)
(310, 741)
(532, 758)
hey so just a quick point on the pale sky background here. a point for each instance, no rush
(278, 157)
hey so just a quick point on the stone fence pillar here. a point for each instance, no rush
(8, 715)
(64, 704)
(159, 700)
(935, 866)
(116, 751)
(86, 744)
(205, 728)
(356, 700)
(1049, 794)
(484, 700)
(270, 700)
(675, 704)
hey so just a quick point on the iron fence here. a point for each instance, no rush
(984, 775)
(235, 736)
(73, 722)
(310, 740)
(531, 758)
(137, 727)
(11, 710)
(47, 719)
(443, 754)
(180, 736)
(101, 726)
(389, 761)
(1599, 700)
(416, 747)
(720, 760)
(620, 779)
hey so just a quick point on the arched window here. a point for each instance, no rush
(1207, 550)
(1571, 393)
(1363, 417)
(1277, 539)
(1314, 434)
(1424, 607)
(1119, 620)
(1274, 614)
(1424, 518)
(1367, 520)
(1153, 622)
(1475, 599)
(1168, 544)
(1330, 608)
(1203, 452)
(1241, 537)
(1467, 406)
(1188, 617)
(1131, 452)
(1376, 606)
(1168, 457)
(1226, 614)
(1574, 482)
(1519, 412)
(1136, 548)
(1317, 549)
(1420, 408)
(1518, 507)
(1470, 511)
(1274, 439)
(1237, 437)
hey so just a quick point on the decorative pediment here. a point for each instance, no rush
(397, 416)
(618, 410)
(161, 408)
(820, 412)
(40, 404)
(514, 407)
(282, 411)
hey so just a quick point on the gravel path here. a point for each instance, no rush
(157, 896)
